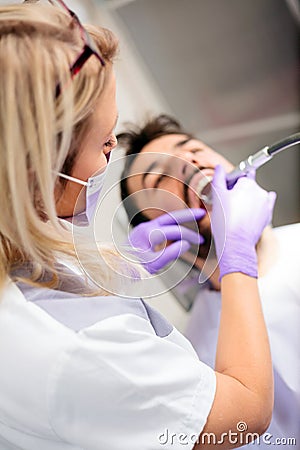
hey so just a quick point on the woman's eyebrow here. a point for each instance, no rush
(116, 121)
(114, 126)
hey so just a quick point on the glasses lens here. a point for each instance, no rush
(89, 47)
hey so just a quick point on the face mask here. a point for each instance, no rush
(94, 187)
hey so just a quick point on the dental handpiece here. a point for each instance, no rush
(252, 162)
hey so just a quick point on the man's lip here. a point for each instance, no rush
(193, 196)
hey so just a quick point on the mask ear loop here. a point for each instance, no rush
(76, 180)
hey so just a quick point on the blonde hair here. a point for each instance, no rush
(38, 43)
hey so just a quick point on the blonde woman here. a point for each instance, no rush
(81, 368)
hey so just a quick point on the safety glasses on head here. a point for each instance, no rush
(89, 47)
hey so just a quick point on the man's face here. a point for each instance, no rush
(165, 174)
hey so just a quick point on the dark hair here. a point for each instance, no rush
(134, 140)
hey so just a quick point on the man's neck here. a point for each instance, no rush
(267, 252)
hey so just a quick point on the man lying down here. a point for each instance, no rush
(163, 170)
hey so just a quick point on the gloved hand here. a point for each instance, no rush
(146, 236)
(238, 218)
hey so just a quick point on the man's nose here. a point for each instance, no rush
(189, 156)
(184, 166)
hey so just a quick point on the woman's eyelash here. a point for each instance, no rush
(109, 143)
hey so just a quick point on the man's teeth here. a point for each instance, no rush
(202, 184)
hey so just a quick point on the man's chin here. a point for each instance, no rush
(205, 231)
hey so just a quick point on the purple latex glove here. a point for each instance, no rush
(146, 236)
(238, 217)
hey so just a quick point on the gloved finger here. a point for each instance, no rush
(181, 216)
(173, 252)
(251, 173)
(219, 179)
(175, 233)
(271, 203)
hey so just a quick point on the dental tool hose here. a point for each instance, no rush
(252, 162)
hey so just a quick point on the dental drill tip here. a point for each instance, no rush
(202, 184)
